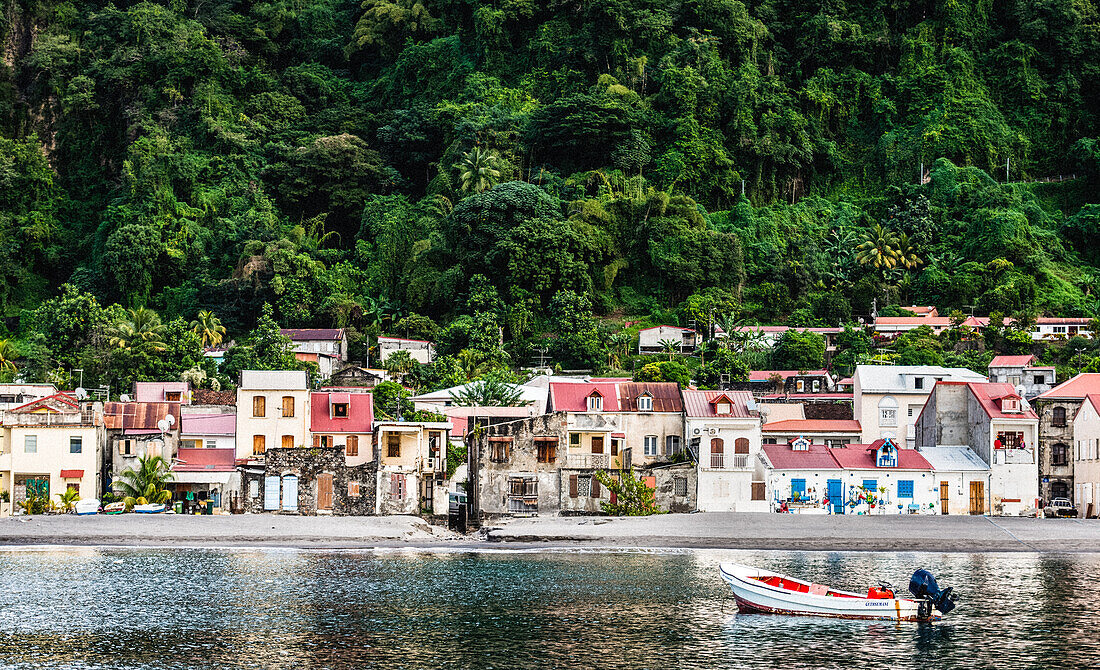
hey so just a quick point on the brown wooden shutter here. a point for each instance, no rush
(595, 487)
(258, 445)
(259, 406)
(353, 445)
(324, 491)
(288, 441)
(316, 441)
(741, 445)
(288, 405)
(572, 486)
(758, 492)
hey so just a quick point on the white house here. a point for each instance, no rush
(1060, 328)
(1086, 456)
(802, 475)
(887, 399)
(723, 429)
(962, 478)
(327, 347)
(650, 340)
(421, 351)
(901, 480)
(1023, 371)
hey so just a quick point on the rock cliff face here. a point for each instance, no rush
(21, 112)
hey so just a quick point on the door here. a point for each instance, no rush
(977, 497)
(324, 491)
(271, 493)
(836, 495)
(798, 489)
(945, 496)
(290, 493)
(597, 444)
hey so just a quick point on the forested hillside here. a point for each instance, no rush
(458, 169)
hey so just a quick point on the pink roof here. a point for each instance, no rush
(808, 396)
(1011, 361)
(1064, 320)
(862, 457)
(989, 397)
(61, 397)
(204, 460)
(817, 457)
(686, 330)
(573, 397)
(846, 381)
(764, 375)
(360, 412)
(1076, 388)
(701, 403)
(301, 334)
(208, 424)
(458, 425)
(933, 321)
(813, 426)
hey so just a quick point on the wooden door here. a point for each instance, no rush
(597, 445)
(945, 497)
(324, 491)
(977, 497)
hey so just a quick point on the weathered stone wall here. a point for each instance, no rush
(1050, 435)
(837, 410)
(306, 464)
(489, 484)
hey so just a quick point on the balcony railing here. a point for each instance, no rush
(86, 417)
(729, 462)
(1014, 456)
(588, 461)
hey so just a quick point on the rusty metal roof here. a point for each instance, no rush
(139, 416)
(666, 396)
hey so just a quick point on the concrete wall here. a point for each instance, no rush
(944, 419)
(488, 487)
(51, 457)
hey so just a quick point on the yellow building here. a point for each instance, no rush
(412, 459)
(272, 411)
(50, 445)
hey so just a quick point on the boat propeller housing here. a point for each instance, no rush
(923, 585)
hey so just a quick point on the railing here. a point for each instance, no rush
(589, 461)
(86, 417)
(1014, 456)
(729, 461)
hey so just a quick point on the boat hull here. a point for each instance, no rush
(149, 509)
(87, 507)
(754, 596)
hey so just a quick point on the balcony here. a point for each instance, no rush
(1013, 456)
(588, 461)
(730, 462)
(84, 418)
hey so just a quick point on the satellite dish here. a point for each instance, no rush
(163, 425)
(170, 419)
(125, 397)
(1020, 390)
(80, 393)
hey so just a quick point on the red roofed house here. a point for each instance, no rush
(723, 429)
(327, 347)
(1022, 371)
(136, 429)
(1060, 328)
(1086, 456)
(791, 382)
(900, 480)
(49, 445)
(802, 474)
(999, 426)
(1057, 434)
(205, 461)
(830, 432)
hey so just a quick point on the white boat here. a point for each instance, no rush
(86, 507)
(149, 509)
(760, 591)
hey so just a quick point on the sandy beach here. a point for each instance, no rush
(704, 530)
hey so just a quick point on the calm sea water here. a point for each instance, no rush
(189, 608)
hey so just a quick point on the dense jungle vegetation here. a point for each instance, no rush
(513, 176)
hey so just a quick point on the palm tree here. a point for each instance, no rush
(209, 328)
(471, 363)
(398, 363)
(479, 170)
(146, 483)
(669, 347)
(490, 393)
(878, 249)
(68, 499)
(906, 253)
(140, 328)
(7, 356)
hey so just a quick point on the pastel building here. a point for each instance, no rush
(723, 429)
(887, 399)
(272, 411)
(327, 347)
(1086, 457)
(1057, 433)
(412, 463)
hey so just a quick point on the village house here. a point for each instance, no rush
(770, 335)
(801, 474)
(829, 432)
(961, 478)
(135, 430)
(272, 411)
(412, 466)
(1086, 456)
(1056, 409)
(49, 445)
(17, 395)
(996, 423)
(327, 347)
(887, 399)
(1060, 328)
(421, 351)
(204, 466)
(901, 480)
(173, 392)
(682, 340)
(1023, 373)
(723, 428)
(354, 375)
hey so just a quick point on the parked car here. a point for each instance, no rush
(1059, 507)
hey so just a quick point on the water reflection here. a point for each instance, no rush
(211, 609)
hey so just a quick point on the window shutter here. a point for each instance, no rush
(395, 486)
(353, 445)
(668, 445)
(741, 445)
(595, 487)
(316, 441)
(572, 486)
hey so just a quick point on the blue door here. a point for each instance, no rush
(271, 494)
(290, 493)
(798, 488)
(836, 496)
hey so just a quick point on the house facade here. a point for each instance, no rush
(1023, 371)
(651, 340)
(887, 399)
(901, 480)
(723, 429)
(421, 351)
(1060, 328)
(961, 477)
(327, 347)
(272, 412)
(1086, 457)
(139, 429)
(412, 465)
(998, 426)
(1056, 409)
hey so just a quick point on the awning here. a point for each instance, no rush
(621, 436)
(72, 474)
(202, 478)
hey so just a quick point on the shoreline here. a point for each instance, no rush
(737, 531)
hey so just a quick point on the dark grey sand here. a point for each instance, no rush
(713, 530)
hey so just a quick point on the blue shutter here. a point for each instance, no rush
(290, 493)
(271, 493)
(871, 485)
(798, 486)
(905, 488)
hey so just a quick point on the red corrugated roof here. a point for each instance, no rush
(301, 334)
(139, 417)
(572, 397)
(813, 426)
(360, 413)
(817, 457)
(204, 460)
(765, 375)
(862, 457)
(64, 398)
(989, 397)
(1064, 320)
(701, 403)
(1011, 361)
(72, 474)
(1076, 388)
(807, 396)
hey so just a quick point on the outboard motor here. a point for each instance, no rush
(923, 585)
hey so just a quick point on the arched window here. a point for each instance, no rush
(888, 411)
(741, 445)
(717, 453)
(1059, 454)
(1058, 416)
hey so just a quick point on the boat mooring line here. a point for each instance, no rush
(1013, 535)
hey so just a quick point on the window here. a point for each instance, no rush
(770, 440)
(918, 383)
(353, 489)
(288, 441)
(1010, 404)
(211, 443)
(645, 403)
(351, 447)
(172, 396)
(125, 447)
(672, 445)
(888, 417)
(339, 410)
(584, 486)
(393, 446)
(1009, 441)
(800, 386)
(30, 444)
(595, 402)
(397, 486)
(741, 445)
(905, 488)
(909, 412)
(574, 439)
(74, 487)
(871, 486)
(258, 445)
(723, 408)
(1058, 454)
(597, 444)
(288, 406)
(650, 448)
(680, 486)
(259, 406)
(76, 444)
(800, 444)
(498, 449)
(1058, 416)
(717, 453)
(1039, 380)
(547, 448)
(759, 491)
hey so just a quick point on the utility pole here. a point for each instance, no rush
(1006, 170)
(920, 174)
